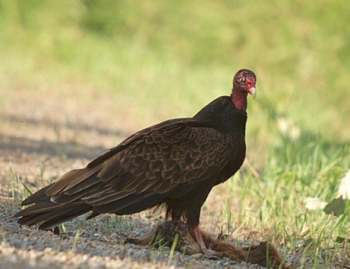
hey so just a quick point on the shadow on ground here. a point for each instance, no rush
(71, 150)
(77, 126)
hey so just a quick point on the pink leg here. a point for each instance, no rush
(198, 237)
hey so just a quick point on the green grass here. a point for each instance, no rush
(275, 202)
(163, 60)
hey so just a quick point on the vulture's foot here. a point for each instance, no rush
(170, 234)
(180, 237)
(199, 238)
(211, 254)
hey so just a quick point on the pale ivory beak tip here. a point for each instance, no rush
(252, 91)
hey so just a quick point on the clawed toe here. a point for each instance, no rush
(211, 254)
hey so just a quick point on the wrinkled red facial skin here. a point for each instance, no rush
(250, 83)
(242, 82)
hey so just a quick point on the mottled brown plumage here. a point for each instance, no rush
(176, 162)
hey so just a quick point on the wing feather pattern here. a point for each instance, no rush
(139, 173)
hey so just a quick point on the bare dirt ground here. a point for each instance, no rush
(42, 135)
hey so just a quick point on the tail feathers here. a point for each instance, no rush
(38, 197)
(75, 181)
(49, 215)
(37, 209)
(68, 214)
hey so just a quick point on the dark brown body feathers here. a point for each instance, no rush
(176, 162)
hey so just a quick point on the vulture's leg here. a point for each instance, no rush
(197, 235)
(193, 216)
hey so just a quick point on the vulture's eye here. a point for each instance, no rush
(241, 79)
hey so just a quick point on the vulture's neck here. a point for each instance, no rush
(239, 99)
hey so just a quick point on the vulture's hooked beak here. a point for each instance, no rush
(252, 91)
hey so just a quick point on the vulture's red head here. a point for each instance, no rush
(245, 80)
(243, 84)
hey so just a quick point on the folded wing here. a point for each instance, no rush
(166, 160)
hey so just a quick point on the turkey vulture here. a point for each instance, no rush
(176, 163)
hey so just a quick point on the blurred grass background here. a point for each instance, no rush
(178, 56)
(169, 58)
